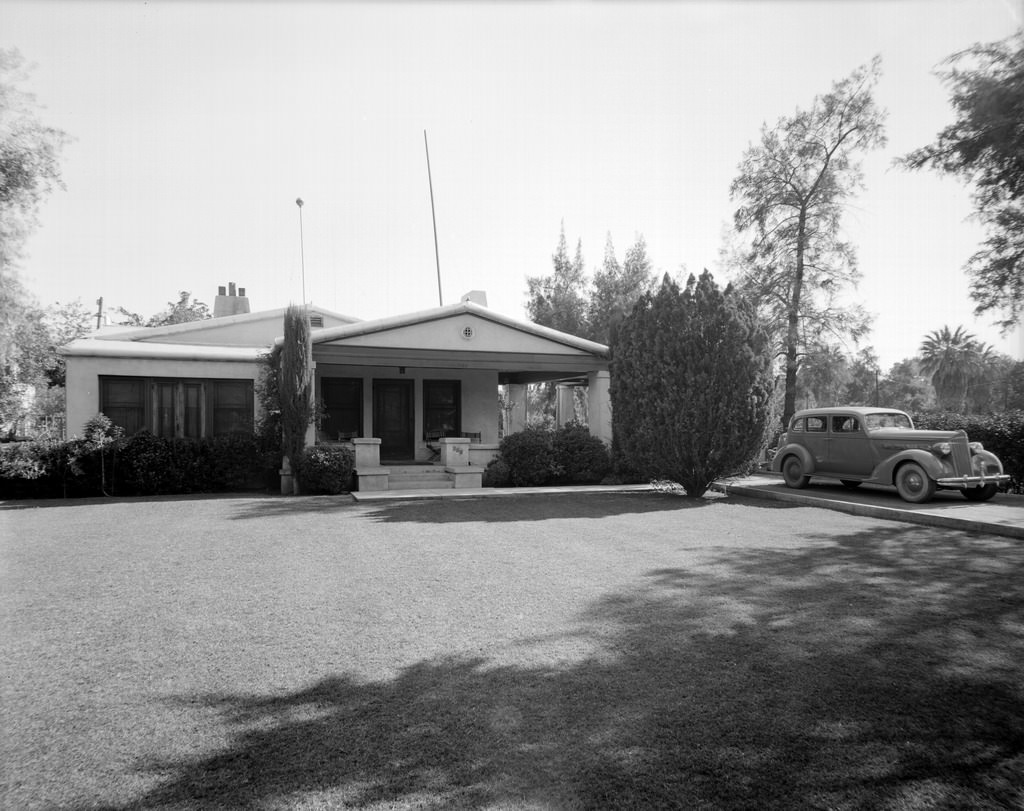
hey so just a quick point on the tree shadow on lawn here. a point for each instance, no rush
(540, 507)
(878, 669)
(525, 507)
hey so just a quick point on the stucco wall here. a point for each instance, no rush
(83, 374)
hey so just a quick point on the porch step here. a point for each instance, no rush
(419, 477)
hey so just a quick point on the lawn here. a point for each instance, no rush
(550, 652)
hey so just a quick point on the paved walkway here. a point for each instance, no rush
(1003, 515)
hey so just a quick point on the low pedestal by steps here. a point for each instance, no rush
(454, 471)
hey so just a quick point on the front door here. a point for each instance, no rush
(393, 418)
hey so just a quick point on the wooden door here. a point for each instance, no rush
(393, 418)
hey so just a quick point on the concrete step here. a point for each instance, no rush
(420, 484)
(418, 477)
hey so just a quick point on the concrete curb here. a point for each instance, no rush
(922, 517)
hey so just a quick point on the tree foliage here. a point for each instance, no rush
(567, 300)
(29, 171)
(954, 359)
(792, 190)
(29, 159)
(182, 311)
(691, 384)
(985, 146)
(617, 287)
(296, 381)
(558, 300)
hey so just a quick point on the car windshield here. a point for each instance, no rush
(887, 420)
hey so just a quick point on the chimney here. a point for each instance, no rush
(230, 304)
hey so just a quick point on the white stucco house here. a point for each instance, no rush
(407, 389)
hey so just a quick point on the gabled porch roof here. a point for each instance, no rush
(465, 335)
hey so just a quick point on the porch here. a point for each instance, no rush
(422, 391)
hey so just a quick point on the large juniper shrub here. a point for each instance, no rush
(691, 384)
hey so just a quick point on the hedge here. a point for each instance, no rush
(538, 456)
(1003, 434)
(139, 465)
(323, 469)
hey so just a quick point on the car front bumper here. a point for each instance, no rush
(963, 482)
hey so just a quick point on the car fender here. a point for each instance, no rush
(988, 457)
(885, 471)
(794, 450)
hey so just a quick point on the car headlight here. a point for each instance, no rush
(942, 448)
(975, 447)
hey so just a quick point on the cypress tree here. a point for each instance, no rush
(296, 383)
(691, 384)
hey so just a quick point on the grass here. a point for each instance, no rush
(555, 652)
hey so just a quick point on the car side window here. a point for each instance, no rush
(816, 424)
(844, 425)
(798, 425)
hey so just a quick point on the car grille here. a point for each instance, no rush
(962, 459)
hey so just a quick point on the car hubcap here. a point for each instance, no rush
(913, 481)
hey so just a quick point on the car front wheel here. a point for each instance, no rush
(793, 473)
(913, 484)
(983, 493)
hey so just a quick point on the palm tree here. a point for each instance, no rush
(953, 359)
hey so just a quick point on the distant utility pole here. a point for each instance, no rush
(99, 312)
(437, 257)
(302, 250)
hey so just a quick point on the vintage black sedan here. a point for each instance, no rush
(881, 446)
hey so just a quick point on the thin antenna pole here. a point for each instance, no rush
(302, 250)
(433, 216)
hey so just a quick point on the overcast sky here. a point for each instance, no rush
(197, 125)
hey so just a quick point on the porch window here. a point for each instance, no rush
(123, 400)
(343, 407)
(178, 408)
(442, 407)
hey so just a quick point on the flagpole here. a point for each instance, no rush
(433, 217)
(302, 251)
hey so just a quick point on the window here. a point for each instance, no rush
(343, 407)
(816, 424)
(798, 425)
(844, 425)
(442, 407)
(123, 400)
(232, 407)
(178, 408)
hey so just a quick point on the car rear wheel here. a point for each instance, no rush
(851, 483)
(913, 484)
(793, 472)
(983, 493)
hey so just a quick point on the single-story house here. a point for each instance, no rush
(407, 389)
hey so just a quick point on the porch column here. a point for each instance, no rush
(517, 414)
(599, 405)
(314, 395)
(565, 406)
